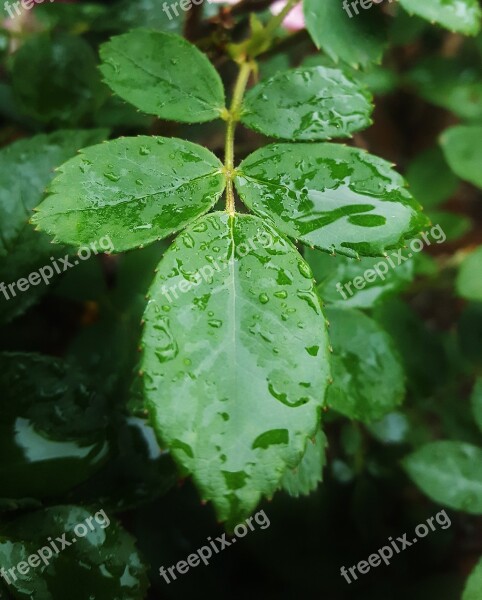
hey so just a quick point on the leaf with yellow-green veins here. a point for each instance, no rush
(235, 358)
(308, 104)
(335, 198)
(163, 75)
(133, 190)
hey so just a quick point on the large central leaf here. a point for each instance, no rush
(235, 358)
(134, 190)
(335, 198)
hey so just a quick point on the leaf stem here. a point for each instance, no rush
(232, 117)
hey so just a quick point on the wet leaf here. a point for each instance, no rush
(449, 473)
(469, 282)
(304, 479)
(163, 75)
(354, 36)
(235, 358)
(462, 146)
(457, 15)
(26, 167)
(308, 104)
(134, 190)
(103, 562)
(335, 198)
(53, 427)
(368, 379)
(473, 587)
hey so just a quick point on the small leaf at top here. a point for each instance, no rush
(235, 358)
(462, 16)
(134, 190)
(308, 104)
(344, 32)
(335, 198)
(462, 146)
(163, 75)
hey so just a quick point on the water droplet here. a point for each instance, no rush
(263, 298)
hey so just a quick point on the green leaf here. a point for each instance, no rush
(469, 282)
(462, 146)
(304, 479)
(457, 15)
(307, 104)
(103, 562)
(55, 79)
(134, 190)
(355, 37)
(476, 400)
(335, 198)
(368, 379)
(235, 330)
(452, 83)
(53, 427)
(26, 167)
(430, 179)
(374, 280)
(163, 75)
(449, 473)
(473, 587)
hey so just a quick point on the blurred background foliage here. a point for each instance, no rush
(69, 386)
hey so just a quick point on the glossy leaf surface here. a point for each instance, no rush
(235, 358)
(134, 190)
(163, 75)
(308, 104)
(335, 198)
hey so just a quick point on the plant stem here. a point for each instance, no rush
(232, 117)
